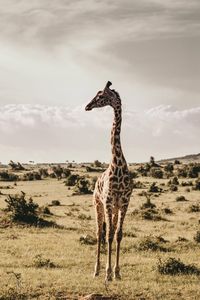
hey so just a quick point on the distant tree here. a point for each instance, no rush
(97, 164)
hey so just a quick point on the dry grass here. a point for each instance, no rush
(73, 261)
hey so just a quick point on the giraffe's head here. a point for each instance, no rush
(104, 98)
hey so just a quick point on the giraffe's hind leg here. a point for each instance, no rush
(121, 216)
(100, 222)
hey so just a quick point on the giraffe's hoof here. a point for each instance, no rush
(117, 276)
(96, 274)
(108, 277)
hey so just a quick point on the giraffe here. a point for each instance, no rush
(113, 188)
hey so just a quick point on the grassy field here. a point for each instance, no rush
(68, 264)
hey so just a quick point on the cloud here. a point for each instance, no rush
(53, 23)
(57, 133)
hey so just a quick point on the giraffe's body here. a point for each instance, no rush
(113, 188)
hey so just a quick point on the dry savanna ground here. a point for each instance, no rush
(56, 260)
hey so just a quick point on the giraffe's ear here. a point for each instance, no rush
(108, 84)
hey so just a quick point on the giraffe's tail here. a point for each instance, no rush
(103, 237)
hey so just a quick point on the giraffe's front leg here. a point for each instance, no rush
(100, 219)
(110, 235)
(122, 213)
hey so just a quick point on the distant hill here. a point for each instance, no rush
(184, 159)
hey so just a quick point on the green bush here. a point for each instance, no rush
(194, 208)
(22, 209)
(58, 170)
(182, 172)
(194, 170)
(133, 174)
(55, 203)
(169, 168)
(173, 181)
(30, 176)
(5, 176)
(71, 180)
(197, 185)
(173, 188)
(174, 266)
(97, 164)
(45, 210)
(154, 188)
(40, 262)
(66, 172)
(82, 186)
(43, 172)
(197, 237)
(153, 244)
(156, 173)
(181, 198)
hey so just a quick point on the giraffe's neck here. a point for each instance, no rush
(117, 154)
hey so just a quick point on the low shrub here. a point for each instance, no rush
(194, 208)
(40, 262)
(187, 183)
(173, 181)
(84, 217)
(55, 203)
(82, 186)
(197, 237)
(156, 173)
(71, 180)
(30, 176)
(167, 211)
(148, 203)
(87, 240)
(182, 172)
(138, 185)
(173, 266)
(5, 176)
(181, 198)
(153, 244)
(22, 209)
(148, 214)
(45, 210)
(169, 168)
(43, 172)
(154, 188)
(194, 170)
(133, 174)
(197, 185)
(173, 188)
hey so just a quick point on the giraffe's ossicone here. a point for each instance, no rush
(113, 188)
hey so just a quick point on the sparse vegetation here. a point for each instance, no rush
(55, 203)
(54, 258)
(72, 179)
(16, 166)
(6, 176)
(181, 198)
(41, 262)
(82, 186)
(153, 244)
(174, 266)
(21, 209)
(194, 208)
(156, 173)
(197, 237)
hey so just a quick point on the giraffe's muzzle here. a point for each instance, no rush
(88, 107)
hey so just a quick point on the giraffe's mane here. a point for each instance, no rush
(117, 94)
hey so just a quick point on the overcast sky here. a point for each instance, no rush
(55, 56)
